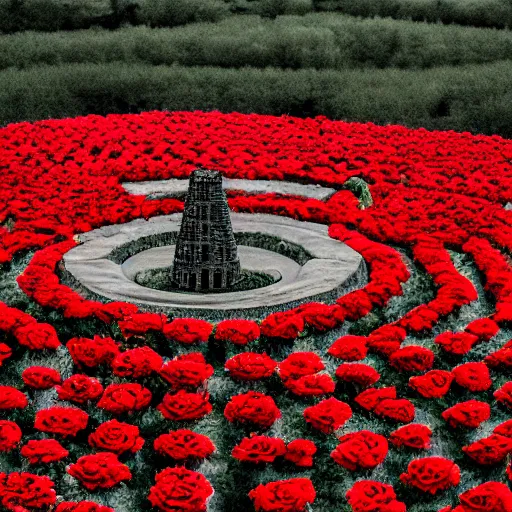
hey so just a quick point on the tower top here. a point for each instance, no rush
(205, 175)
(206, 256)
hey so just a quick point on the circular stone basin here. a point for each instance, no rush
(334, 268)
(251, 258)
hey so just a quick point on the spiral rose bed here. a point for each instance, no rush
(394, 397)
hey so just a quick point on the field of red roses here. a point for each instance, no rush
(395, 397)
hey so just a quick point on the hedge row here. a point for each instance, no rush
(53, 15)
(472, 98)
(477, 13)
(321, 41)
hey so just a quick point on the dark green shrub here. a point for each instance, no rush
(274, 8)
(320, 41)
(478, 13)
(52, 15)
(472, 98)
(169, 13)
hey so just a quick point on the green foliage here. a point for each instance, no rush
(320, 41)
(466, 98)
(273, 8)
(361, 190)
(52, 15)
(478, 13)
(169, 13)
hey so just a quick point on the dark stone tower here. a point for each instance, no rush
(206, 256)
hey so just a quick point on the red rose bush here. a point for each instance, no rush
(360, 450)
(285, 495)
(431, 474)
(122, 405)
(99, 471)
(180, 490)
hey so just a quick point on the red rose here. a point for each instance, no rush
(121, 398)
(412, 359)
(67, 421)
(82, 506)
(361, 374)
(250, 366)
(328, 415)
(396, 409)
(11, 398)
(504, 394)
(186, 372)
(483, 328)
(431, 474)
(467, 414)
(434, 384)
(188, 330)
(372, 496)
(349, 348)
(419, 319)
(80, 308)
(79, 389)
(472, 376)
(301, 452)
(40, 377)
(283, 325)
(26, 490)
(117, 437)
(311, 385)
(284, 495)
(354, 305)
(298, 364)
(182, 445)
(387, 333)
(489, 450)
(92, 352)
(11, 318)
(487, 497)
(101, 470)
(370, 398)
(195, 357)
(360, 450)
(10, 435)
(500, 358)
(183, 406)
(5, 352)
(459, 343)
(180, 490)
(321, 317)
(413, 436)
(504, 429)
(503, 312)
(115, 311)
(37, 336)
(253, 408)
(259, 449)
(384, 348)
(44, 451)
(238, 332)
(137, 363)
(139, 324)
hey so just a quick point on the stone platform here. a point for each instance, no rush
(178, 187)
(332, 270)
